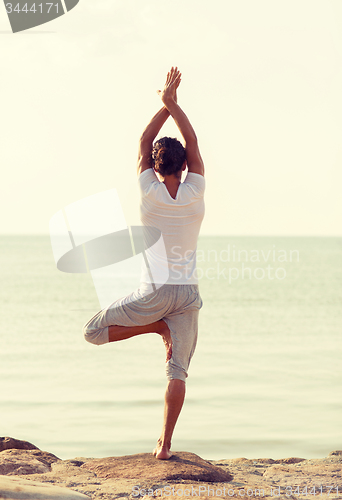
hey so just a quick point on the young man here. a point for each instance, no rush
(177, 210)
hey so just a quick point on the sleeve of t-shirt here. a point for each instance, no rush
(195, 183)
(147, 179)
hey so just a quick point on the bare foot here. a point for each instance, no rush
(165, 333)
(162, 452)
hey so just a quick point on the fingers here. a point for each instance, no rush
(173, 80)
(173, 77)
(175, 74)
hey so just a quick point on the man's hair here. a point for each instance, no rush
(168, 156)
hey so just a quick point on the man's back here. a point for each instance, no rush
(179, 221)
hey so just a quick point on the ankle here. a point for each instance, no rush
(166, 444)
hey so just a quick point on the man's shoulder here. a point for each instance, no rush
(148, 173)
(195, 182)
(146, 179)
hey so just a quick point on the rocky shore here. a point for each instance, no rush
(26, 472)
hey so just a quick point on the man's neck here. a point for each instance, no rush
(172, 183)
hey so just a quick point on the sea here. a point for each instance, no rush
(265, 380)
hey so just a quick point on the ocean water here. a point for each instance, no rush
(265, 380)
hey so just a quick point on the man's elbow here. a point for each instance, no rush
(191, 141)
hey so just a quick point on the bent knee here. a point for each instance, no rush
(95, 336)
(175, 372)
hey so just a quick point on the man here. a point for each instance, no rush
(177, 210)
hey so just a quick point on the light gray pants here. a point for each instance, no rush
(177, 305)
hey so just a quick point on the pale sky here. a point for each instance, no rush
(261, 85)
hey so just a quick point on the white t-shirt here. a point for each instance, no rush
(179, 221)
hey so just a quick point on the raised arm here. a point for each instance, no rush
(193, 156)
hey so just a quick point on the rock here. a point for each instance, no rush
(21, 489)
(75, 462)
(310, 473)
(119, 477)
(20, 462)
(6, 443)
(43, 456)
(144, 466)
(291, 460)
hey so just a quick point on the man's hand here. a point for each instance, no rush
(168, 96)
(173, 80)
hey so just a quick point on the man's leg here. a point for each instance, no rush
(174, 399)
(184, 328)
